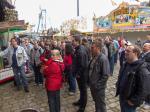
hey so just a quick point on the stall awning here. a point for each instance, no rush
(12, 26)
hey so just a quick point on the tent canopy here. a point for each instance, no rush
(15, 29)
(12, 26)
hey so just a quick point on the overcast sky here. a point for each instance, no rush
(60, 10)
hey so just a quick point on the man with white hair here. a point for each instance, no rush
(146, 57)
(28, 46)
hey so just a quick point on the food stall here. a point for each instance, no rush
(7, 30)
(9, 24)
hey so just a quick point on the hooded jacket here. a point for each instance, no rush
(53, 75)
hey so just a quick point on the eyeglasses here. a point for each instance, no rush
(57, 54)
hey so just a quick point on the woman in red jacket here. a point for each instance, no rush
(46, 54)
(68, 58)
(53, 74)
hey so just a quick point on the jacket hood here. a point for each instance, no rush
(79, 47)
(136, 63)
(60, 61)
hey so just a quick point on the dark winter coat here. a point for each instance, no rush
(137, 90)
(100, 72)
(53, 75)
(80, 61)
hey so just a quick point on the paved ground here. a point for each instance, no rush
(14, 101)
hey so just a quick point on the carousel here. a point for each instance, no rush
(126, 19)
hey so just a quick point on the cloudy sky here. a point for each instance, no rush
(60, 10)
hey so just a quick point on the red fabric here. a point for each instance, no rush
(53, 75)
(6, 79)
(120, 42)
(68, 60)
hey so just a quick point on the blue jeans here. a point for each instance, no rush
(83, 92)
(99, 99)
(111, 62)
(71, 81)
(116, 57)
(19, 75)
(125, 107)
(54, 101)
(38, 75)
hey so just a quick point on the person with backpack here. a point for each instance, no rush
(36, 52)
(146, 57)
(133, 81)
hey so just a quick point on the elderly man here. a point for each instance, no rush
(146, 57)
(98, 75)
(28, 46)
(133, 81)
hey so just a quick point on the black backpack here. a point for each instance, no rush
(131, 81)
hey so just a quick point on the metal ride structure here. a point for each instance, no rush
(42, 21)
(78, 8)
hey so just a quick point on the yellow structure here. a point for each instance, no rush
(127, 17)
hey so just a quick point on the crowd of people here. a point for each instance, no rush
(89, 63)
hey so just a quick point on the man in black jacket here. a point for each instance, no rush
(80, 64)
(146, 57)
(98, 75)
(133, 81)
